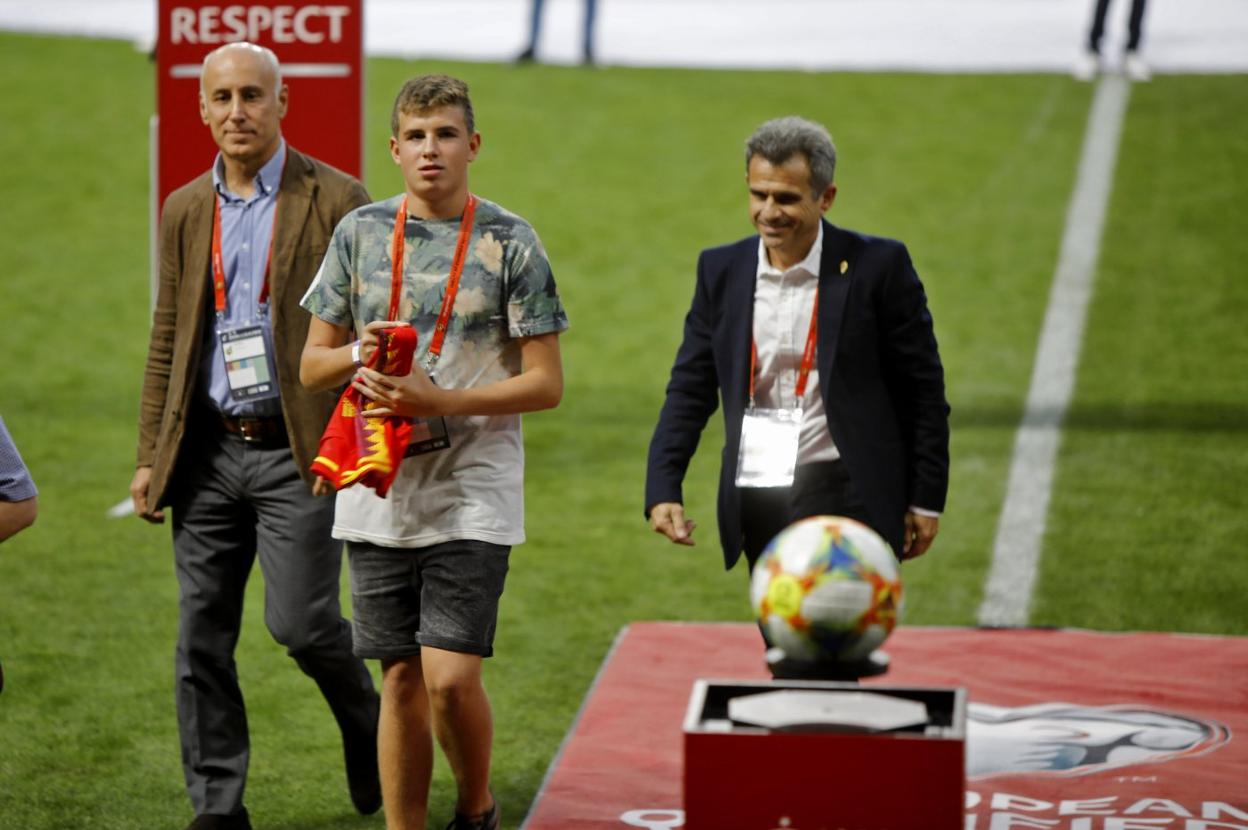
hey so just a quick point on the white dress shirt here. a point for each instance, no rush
(783, 304)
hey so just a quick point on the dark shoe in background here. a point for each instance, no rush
(212, 821)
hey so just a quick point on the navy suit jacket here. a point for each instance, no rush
(879, 369)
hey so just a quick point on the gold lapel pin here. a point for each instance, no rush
(844, 266)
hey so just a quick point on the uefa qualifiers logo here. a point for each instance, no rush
(1068, 739)
(1058, 739)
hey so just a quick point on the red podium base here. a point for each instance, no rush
(743, 777)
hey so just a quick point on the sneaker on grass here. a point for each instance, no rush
(1134, 67)
(1086, 65)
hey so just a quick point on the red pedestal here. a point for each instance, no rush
(749, 778)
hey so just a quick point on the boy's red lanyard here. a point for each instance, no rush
(808, 355)
(452, 282)
(218, 259)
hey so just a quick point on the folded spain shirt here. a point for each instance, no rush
(361, 449)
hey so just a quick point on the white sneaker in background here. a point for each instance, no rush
(1134, 67)
(1086, 66)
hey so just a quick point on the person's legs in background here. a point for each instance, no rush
(1089, 61)
(535, 29)
(1132, 64)
(587, 42)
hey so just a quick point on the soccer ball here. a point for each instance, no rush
(826, 589)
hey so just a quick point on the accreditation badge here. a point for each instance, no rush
(428, 435)
(768, 453)
(248, 363)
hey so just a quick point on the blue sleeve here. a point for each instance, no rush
(15, 481)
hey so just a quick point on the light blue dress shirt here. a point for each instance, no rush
(246, 231)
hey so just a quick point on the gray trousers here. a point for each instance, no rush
(231, 502)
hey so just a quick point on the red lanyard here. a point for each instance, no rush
(808, 355)
(218, 259)
(452, 281)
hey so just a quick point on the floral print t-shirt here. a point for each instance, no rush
(475, 488)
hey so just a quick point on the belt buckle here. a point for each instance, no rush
(252, 430)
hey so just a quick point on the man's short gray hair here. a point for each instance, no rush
(780, 139)
(263, 52)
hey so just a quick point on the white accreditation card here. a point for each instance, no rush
(428, 435)
(768, 453)
(248, 364)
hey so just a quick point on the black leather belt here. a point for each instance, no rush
(269, 431)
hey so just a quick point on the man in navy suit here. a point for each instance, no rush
(819, 342)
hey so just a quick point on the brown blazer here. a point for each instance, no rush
(313, 197)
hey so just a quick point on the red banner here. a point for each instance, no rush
(320, 47)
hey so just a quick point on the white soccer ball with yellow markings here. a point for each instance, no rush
(827, 588)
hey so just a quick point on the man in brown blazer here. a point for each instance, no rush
(227, 433)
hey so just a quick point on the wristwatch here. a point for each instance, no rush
(355, 354)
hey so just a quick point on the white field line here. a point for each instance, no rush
(1020, 532)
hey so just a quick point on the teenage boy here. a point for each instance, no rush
(428, 561)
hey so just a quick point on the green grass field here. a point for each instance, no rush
(627, 174)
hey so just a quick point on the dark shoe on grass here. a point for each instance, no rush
(488, 820)
(214, 821)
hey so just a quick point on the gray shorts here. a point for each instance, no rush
(444, 596)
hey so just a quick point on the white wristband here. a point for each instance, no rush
(355, 354)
